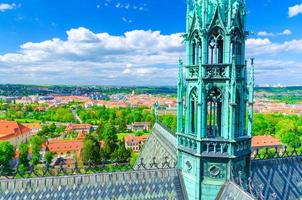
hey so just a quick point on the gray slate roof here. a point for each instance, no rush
(231, 191)
(281, 177)
(153, 184)
(162, 143)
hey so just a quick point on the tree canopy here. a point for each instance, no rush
(7, 153)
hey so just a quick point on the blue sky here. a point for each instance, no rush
(131, 42)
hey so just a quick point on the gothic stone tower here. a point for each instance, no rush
(214, 140)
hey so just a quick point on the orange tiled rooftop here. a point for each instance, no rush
(265, 141)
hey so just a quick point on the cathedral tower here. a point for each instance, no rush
(214, 140)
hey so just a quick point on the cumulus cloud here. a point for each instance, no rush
(270, 34)
(286, 32)
(295, 10)
(266, 47)
(5, 6)
(264, 33)
(137, 57)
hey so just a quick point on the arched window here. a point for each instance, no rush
(193, 111)
(196, 46)
(194, 53)
(215, 47)
(236, 46)
(238, 115)
(214, 108)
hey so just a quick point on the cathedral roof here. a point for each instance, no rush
(146, 184)
(232, 191)
(277, 178)
(161, 145)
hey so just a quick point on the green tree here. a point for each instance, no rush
(291, 139)
(7, 153)
(36, 144)
(139, 133)
(284, 127)
(23, 154)
(170, 121)
(91, 149)
(121, 153)
(48, 157)
(110, 138)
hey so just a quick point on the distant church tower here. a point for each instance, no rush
(214, 139)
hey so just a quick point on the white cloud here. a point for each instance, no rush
(270, 34)
(264, 33)
(137, 57)
(286, 32)
(126, 5)
(295, 10)
(257, 42)
(264, 46)
(129, 21)
(5, 6)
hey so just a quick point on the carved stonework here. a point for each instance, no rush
(216, 72)
(193, 72)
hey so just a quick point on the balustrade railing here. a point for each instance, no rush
(275, 152)
(64, 169)
(214, 71)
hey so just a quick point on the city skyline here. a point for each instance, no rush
(109, 42)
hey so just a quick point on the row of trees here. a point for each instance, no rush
(29, 113)
(112, 149)
(287, 128)
(8, 152)
(119, 117)
(51, 131)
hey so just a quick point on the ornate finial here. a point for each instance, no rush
(180, 70)
(155, 106)
(252, 71)
(180, 61)
(252, 61)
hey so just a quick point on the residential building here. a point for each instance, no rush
(79, 127)
(65, 147)
(139, 126)
(135, 142)
(267, 141)
(34, 127)
(14, 132)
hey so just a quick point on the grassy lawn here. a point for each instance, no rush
(27, 121)
(121, 136)
(133, 159)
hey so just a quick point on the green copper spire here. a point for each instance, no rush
(251, 98)
(213, 141)
(180, 97)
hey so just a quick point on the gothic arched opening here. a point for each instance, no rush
(236, 46)
(238, 114)
(215, 46)
(193, 111)
(196, 47)
(214, 114)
